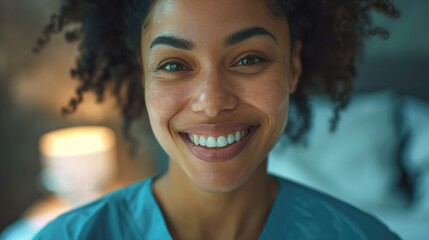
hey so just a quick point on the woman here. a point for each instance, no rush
(217, 77)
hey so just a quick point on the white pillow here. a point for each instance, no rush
(357, 162)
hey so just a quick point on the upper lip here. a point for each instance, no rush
(216, 129)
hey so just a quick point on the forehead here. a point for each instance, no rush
(195, 19)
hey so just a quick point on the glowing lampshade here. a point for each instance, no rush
(78, 161)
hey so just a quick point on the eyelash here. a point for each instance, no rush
(244, 61)
(256, 59)
(181, 67)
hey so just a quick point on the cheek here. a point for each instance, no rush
(273, 100)
(270, 95)
(163, 102)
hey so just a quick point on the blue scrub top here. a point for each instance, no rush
(297, 213)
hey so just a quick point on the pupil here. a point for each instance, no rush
(249, 60)
(173, 67)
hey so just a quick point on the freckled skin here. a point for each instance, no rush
(213, 91)
(214, 85)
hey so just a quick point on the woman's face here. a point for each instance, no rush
(217, 79)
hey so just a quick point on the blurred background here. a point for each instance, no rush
(34, 87)
(378, 157)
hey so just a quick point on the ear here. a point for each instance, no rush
(296, 66)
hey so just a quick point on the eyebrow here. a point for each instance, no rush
(247, 33)
(233, 39)
(172, 41)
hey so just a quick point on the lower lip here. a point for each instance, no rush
(219, 154)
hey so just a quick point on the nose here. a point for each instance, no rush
(213, 95)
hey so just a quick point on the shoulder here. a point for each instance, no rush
(98, 217)
(326, 216)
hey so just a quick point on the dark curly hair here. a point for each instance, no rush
(332, 33)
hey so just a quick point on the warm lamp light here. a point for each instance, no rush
(77, 141)
(78, 161)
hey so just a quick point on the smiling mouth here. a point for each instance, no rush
(217, 148)
(218, 141)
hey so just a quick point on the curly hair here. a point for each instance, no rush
(332, 33)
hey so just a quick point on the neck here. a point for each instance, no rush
(192, 213)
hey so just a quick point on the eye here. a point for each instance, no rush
(173, 67)
(250, 60)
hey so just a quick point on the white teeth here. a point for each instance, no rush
(202, 141)
(230, 139)
(221, 141)
(211, 142)
(237, 136)
(195, 140)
